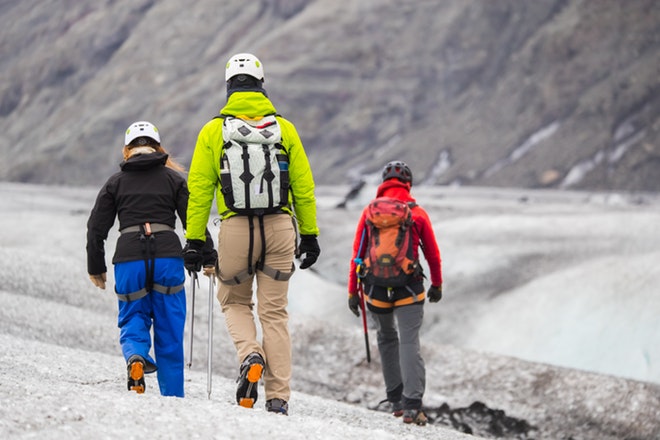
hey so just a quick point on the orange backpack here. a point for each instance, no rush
(388, 260)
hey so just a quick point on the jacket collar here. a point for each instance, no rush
(396, 189)
(249, 104)
(144, 161)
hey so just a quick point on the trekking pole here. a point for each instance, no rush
(210, 348)
(364, 321)
(358, 270)
(193, 279)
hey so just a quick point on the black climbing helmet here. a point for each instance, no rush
(397, 170)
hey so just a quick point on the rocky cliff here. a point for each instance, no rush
(549, 93)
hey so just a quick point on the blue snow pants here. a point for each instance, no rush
(167, 314)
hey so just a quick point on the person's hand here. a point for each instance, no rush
(435, 293)
(98, 280)
(354, 304)
(209, 271)
(309, 246)
(192, 255)
(209, 260)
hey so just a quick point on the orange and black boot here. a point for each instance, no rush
(136, 374)
(248, 379)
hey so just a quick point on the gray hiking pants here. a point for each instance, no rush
(400, 354)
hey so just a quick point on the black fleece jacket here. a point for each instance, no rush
(145, 190)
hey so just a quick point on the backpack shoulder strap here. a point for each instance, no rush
(414, 225)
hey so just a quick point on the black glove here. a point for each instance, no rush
(435, 293)
(309, 246)
(209, 258)
(193, 256)
(354, 304)
(210, 262)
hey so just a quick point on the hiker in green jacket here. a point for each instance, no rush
(257, 237)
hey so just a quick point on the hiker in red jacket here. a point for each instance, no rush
(398, 310)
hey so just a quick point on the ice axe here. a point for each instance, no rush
(364, 321)
(358, 270)
(193, 281)
(210, 347)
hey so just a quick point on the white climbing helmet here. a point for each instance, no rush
(141, 129)
(246, 64)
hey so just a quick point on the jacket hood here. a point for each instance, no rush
(144, 161)
(396, 189)
(250, 104)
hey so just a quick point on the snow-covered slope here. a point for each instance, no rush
(51, 391)
(567, 278)
(62, 375)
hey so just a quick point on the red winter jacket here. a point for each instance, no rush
(423, 231)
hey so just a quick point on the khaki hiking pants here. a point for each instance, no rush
(236, 301)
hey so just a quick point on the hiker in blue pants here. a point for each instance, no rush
(167, 313)
(146, 196)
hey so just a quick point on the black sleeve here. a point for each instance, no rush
(209, 247)
(99, 223)
(182, 195)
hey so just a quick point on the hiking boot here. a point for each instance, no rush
(278, 406)
(415, 416)
(397, 409)
(248, 378)
(135, 370)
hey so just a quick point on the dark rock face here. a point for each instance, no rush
(479, 419)
(550, 93)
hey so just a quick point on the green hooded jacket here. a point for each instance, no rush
(204, 174)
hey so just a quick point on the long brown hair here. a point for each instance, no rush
(159, 149)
